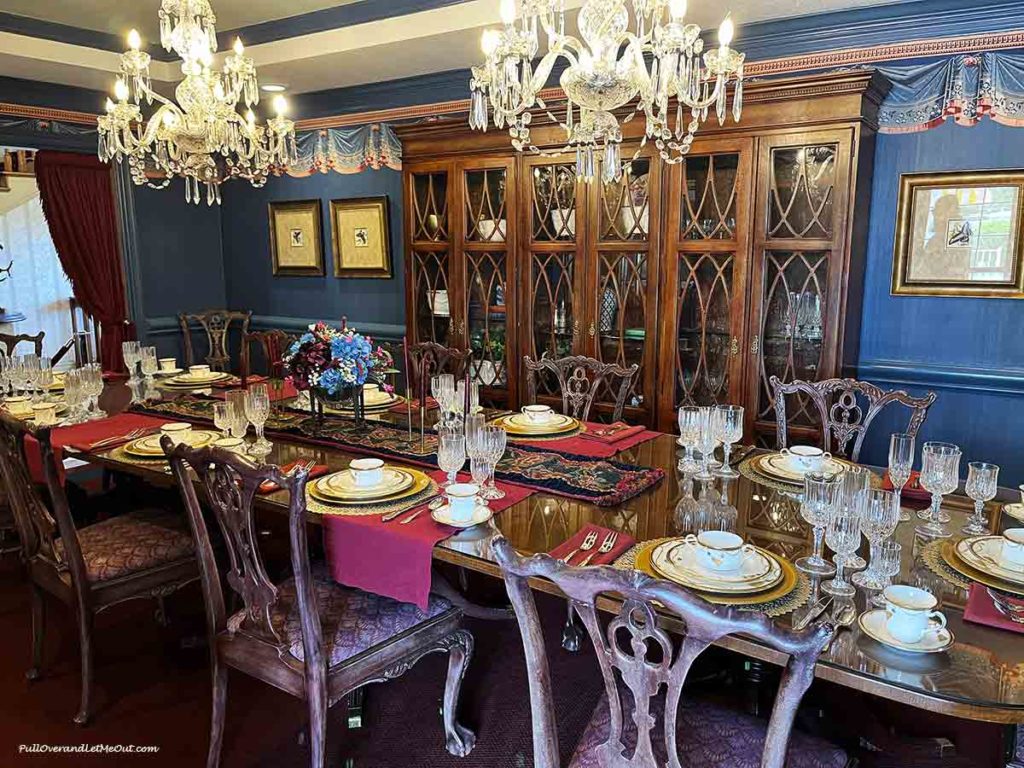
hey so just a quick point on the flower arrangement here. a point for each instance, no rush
(330, 361)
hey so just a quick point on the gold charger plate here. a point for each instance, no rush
(952, 559)
(187, 380)
(379, 407)
(789, 582)
(773, 465)
(420, 482)
(148, 447)
(342, 485)
(982, 552)
(564, 425)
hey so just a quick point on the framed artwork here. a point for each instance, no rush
(360, 237)
(296, 246)
(960, 234)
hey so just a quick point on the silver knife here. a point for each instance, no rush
(814, 612)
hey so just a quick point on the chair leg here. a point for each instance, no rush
(220, 701)
(572, 635)
(38, 631)
(317, 727)
(459, 740)
(85, 621)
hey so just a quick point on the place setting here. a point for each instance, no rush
(370, 487)
(786, 469)
(538, 422)
(148, 447)
(197, 377)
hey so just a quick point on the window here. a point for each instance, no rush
(36, 286)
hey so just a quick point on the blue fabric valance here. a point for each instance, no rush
(347, 150)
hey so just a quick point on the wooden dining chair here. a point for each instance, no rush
(429, 358)
(643, 720)
(579, 379)
(140, 554)
(844, 409)
(217, 325)
(307, 635)
(10, 341)
(273, 346)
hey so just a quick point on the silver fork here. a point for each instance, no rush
(127, 437)
(586, 546)
(604, 549)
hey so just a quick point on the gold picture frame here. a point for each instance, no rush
(361, 237)
(296, 243)
(960, 234)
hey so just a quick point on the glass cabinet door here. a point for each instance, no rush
(428, 224)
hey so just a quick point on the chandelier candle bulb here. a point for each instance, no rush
(134, 41)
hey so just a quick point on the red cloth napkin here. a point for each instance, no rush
(611, 434)
(597, 446)
(622, 544)
(318, 470)
(913, 496)
(236, 381)
(83, 436)
(402, 407)
(392, 559)
(981, 610)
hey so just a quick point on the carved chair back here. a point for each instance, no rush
(216, 324)
(625, 647)
(229, 484)
(844, 409)
(11, 340)
(428, 359)
(273, 345)
(579, 380)
(39, 524)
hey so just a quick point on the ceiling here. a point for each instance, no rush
(307, 56)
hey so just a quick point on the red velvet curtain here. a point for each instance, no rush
(78, 201)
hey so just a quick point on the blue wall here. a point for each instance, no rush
(969, 351)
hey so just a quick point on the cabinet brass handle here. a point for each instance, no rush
(734, 348)
(575, 329)
(755, 345)
(592, 330)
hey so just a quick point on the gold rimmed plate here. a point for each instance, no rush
(420, 483)
(676, 561)
(556, 426)
(342, 485)
(952, 559)
(779, 467)
(191, 380)
(983, 553)
(148, 447)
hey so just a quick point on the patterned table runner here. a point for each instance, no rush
(599, 481)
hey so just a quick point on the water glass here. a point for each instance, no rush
(728, 430)
(706, 443)
(239, 421)
(496, 441)
(842, 534)
(821, 497)
(480, 471)
(222, 417)
(982, 483)
(940, 474)
(689, 435)
(93, 377)
(889, 554)
(32, 376)
(18, 378)
(132, 352)
(451, 453)
(442, 388)
(879, 515)
(854, 481)
(476, 446)
(148, 363)
(257, 411)
(45, 377)
(901, 462)
(459, 402)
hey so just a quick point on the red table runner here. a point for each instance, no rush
(600, 441)
(981, 610)
(393, 559)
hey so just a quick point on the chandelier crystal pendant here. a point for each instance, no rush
(201, 136)
(661, 64)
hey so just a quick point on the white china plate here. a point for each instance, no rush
(191, 379)
(556, 422)
(171, 372)
(149, 446)
(983, 553)
(873, 624)
(378, 397)
(1015, 510)
(481, 514)
(786, 468)
(676, 560)
(342, 484)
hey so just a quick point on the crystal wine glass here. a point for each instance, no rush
(132, 353)
(706, 443)
(843, 535)
(479, 471)
(878, 510)
(854, 480)
(149, 365)
(459, 402)
(222, 417)
(889, 554)
(821, 497)
(940, 474)
(689, 435)
(32, 376)
(982, 483)
(94, 388)
(257, 411)
(5, 374)
(239, 422)
(496, 440)
(901, 461)
(728, 430)
(17, 367)
(45, 376)
(451, 453)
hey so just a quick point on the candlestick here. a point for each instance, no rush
(465, 407)
(408, 386)
(424, 370)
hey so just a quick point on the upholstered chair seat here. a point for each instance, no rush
(352, 621)
(128, 544)
(708, 735)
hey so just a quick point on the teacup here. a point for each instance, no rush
(233, 444)
(19, 405)
(367, 472)
(807, 457)
(538, 414)
(199, 370)
(44, 414)
(169, 363)
(462, 500)
(179, 432)
(1012, 552)
(911, 613)
(719, 550)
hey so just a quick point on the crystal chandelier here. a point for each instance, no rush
(662, 65)
(202, 138)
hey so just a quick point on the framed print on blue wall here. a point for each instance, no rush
(360, 237)
(960, 234)
(295, 242)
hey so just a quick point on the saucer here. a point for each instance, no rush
(1015, 510)
(984, 553)
(481, 514)
(170, 372)
(785, 468)
(873, 624)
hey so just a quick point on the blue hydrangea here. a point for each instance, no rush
(331, 381)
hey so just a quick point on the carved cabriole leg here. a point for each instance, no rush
(459, 740)
(85, 624)
(38, 631)
(217, 716)
(317, 700)
(572, 635)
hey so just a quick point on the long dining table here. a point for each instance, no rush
(980, 678)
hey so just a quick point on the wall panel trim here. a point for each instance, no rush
(988, 381)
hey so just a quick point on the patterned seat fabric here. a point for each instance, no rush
(708, 735)
(352, 621)
(131, 543)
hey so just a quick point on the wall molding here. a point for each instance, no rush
(168, 324)
(46, 113)
(998, 381)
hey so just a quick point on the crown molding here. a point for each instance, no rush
(45, 113)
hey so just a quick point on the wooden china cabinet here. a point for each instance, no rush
(712, 274)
